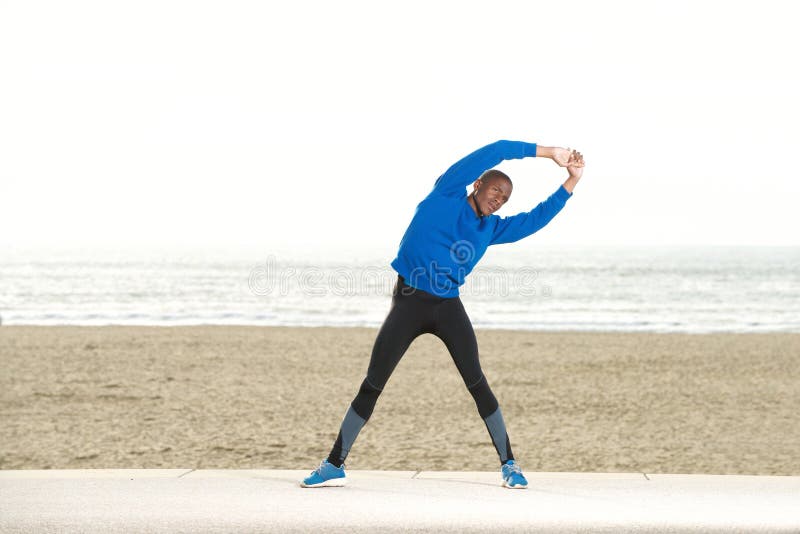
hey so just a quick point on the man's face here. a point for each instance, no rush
(491, 194)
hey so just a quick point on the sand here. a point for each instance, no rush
(263, 397)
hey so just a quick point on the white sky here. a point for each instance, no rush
(261, 126)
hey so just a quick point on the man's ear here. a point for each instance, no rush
(476, 185)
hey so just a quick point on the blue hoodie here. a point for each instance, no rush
(445, 239)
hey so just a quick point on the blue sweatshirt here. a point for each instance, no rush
(446, 239)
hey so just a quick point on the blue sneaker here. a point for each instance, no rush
(512, 476)
(326, 474)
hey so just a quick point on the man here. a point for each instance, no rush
(448, 235)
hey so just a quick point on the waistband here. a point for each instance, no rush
(404, 290)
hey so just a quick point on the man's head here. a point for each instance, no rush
(491, 191)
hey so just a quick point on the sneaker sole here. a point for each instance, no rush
(518, 486)
(332, 483)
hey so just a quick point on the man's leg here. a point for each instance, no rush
(401, 327)
(455, 329)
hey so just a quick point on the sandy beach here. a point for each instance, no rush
(273, 397)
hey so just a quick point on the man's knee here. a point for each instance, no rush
(484, 398)
(365, 401)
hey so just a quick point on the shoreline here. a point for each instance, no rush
(376, 327)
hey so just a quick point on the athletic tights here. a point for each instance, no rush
(414, 312)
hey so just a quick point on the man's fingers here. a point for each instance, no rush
(575, 159)
(577, 162)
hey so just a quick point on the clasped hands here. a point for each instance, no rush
(571, 159)
(565, 157)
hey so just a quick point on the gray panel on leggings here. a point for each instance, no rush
(351, 426)
(497, 429)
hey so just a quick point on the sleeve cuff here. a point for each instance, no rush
(562, 194)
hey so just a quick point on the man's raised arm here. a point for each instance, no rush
(468, 169)
(514, 228)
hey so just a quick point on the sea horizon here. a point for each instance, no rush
(692, 289)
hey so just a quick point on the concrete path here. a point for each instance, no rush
(183, 500)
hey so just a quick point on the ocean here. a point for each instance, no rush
(657, 289)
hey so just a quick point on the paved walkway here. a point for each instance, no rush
(182, 500)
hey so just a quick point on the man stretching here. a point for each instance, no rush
(448, 235)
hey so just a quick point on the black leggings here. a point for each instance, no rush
(414, 312)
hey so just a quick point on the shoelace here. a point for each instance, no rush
(513, 468)
(318, 470)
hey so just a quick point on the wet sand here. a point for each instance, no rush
(264, 397)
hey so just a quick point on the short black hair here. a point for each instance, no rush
(493, 174)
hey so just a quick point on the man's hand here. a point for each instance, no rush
(557, 154)
(575, 169)
(575, 159)
(575, 165)
(575, 172)
(563, 157)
